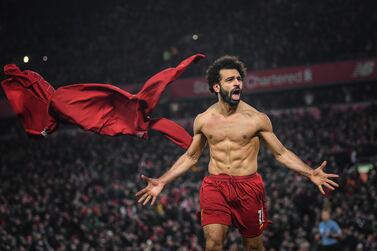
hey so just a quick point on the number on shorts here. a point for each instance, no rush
(260, 215)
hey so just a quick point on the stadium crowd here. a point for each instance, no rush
(126, 42)
(75, 190)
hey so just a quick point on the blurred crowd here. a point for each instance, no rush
(76, 190)
(126, 42)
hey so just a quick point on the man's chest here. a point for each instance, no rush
(237, 128)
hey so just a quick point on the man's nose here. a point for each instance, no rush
(237, 83)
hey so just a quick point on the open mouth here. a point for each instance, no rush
(236, 94)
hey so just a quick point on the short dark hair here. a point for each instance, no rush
(225, 62)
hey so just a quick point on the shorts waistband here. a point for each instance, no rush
(227, 177)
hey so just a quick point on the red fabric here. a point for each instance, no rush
(28, 94)
(240, 200)
(151, 91)
(172, 131)
(102, 108)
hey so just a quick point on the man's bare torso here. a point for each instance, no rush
(233, 140)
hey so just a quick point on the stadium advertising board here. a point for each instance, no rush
(289, 77)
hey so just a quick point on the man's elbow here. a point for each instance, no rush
(193, 158)
(281, 154)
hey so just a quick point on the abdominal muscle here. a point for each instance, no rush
(233, 158)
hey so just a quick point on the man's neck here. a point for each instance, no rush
(226, 109)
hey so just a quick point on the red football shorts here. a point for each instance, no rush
(237, 200)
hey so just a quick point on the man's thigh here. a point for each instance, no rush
(215, 232)
(253, 244)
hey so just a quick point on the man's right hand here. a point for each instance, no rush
(152, 190)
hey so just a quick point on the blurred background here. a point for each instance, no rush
(311, 68)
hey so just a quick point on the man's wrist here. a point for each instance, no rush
(310, 173)
(161, 181)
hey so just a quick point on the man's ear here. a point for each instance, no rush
(216, 87)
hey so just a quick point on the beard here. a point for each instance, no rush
(227, 96)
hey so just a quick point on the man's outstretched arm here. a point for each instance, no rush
(182, 165)
(291, 160)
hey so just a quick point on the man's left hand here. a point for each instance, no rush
(320, 178)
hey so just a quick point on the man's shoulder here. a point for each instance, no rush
(250, 111)
(257, 118)
(210, 110)
(200, 118)
(204, 117)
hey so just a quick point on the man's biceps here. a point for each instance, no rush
(272, 141)
(203, 141)
(268, 136)
(197, 143)
(200, 138)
